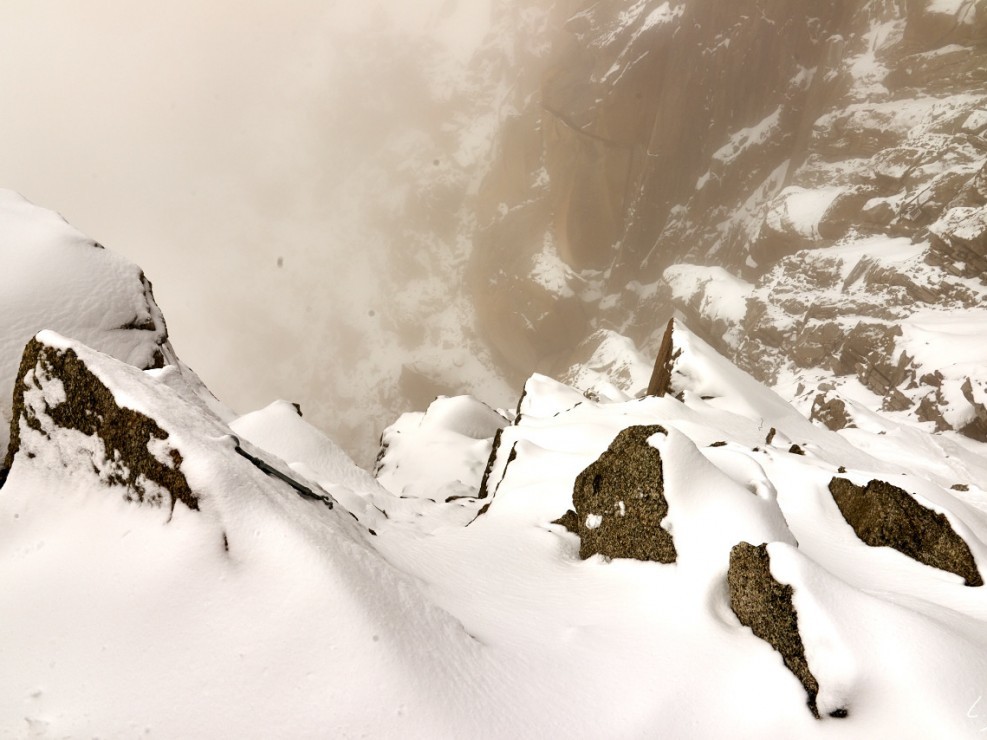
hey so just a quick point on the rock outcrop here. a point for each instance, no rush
(57, 278)
(56, 394)
(883, 515)
(619, 504)
(765, 605)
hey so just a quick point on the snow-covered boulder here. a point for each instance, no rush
(151, 558)
(64, 415)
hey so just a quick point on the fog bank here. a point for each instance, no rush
(244, 155)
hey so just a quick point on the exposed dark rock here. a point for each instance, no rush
(930, 409)
(619, 501)
(831, 412)
(661, 377)
(977, 427)
(765, 605)
(883, 515)
(844, 213)
(569, 520)
(485, 481)
(816, 343)
(90, 408)
(270, 470)
(960, 238)
(615, 164)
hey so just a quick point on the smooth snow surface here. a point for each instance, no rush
(416, 609)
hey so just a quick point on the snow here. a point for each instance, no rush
(867, 72)
(47, 282)
(803, 208)
(957, 339)
(976, 121)
(750, 137)
(615, 370)
(664, 13)
(715, 293)
(953, 8)
(551, 272)
(401, 613)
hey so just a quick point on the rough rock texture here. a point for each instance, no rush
(883, 515)
(661, 377)
(619, 502)
(831, 317)
(55, 392)
(485, 491)
(765, 605)
(831, 412)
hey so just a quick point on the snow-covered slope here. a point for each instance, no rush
(696, 563)
(157, 581)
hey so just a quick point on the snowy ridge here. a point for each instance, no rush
(286, 590)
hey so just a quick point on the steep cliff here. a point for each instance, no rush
(738, 136)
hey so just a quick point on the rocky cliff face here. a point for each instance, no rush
(754, 137)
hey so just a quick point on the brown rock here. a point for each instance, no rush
(843, 213)
(619, 502)
(765, 605)
(816, 343)
(831, 412)
(90, 408)
(883, 515)
(661, 377)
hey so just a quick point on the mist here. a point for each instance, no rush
(256, 161)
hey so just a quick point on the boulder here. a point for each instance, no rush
(55, 393)
(619, 502)
(765, 605)
(831, 411)
(661, 377)
(883, 515)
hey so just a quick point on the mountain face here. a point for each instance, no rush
(777, 528)
(804, 182)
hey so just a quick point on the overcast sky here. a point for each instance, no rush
(205, 140)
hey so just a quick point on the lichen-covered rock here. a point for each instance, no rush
(883, 515)
(765, 605)
(619, 501)
(55, 393)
